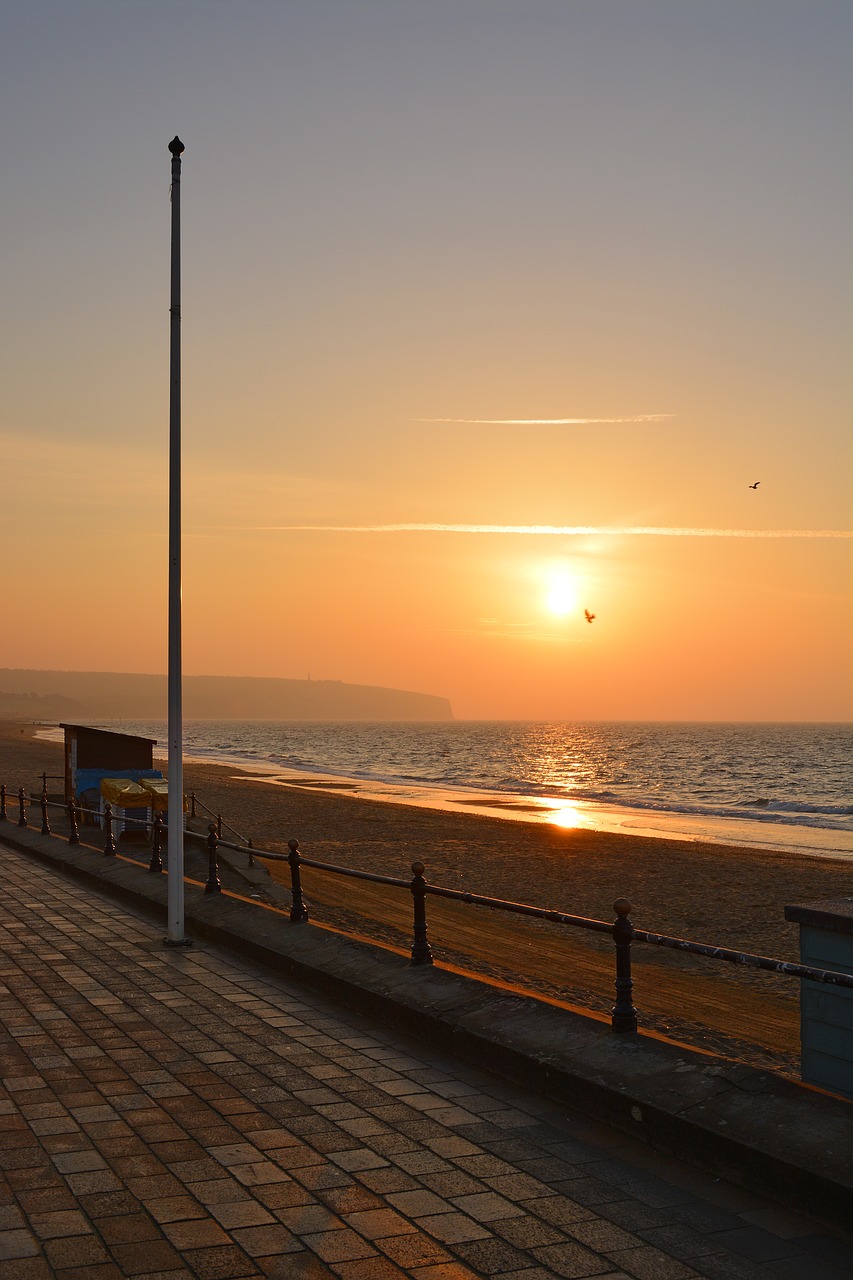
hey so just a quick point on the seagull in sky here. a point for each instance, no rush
(589, 616)
(755, 486)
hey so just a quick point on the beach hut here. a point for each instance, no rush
(94, 754)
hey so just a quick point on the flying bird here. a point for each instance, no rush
(755, 486)
(589, 616)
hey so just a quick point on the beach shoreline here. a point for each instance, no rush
(771, 834)
(721, 895)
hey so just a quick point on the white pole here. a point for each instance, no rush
(176, 758)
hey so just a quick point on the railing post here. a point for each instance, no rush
(213, 885)
(73, 829)
(156, 863)
(44, 782)
(3, 816)
(623, 1015)
(421, 953)
(22, 807)
(45, 822)
(298, 910)
(109, 843)
(192, 805)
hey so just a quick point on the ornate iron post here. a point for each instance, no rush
(73, 829)
(109, 843)
(298, 910)
(45, 822)
(156, 863)
(624, 1015)
(22, 808)
(421, 953)
(213, 885)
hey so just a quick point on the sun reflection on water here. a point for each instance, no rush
(566, 816)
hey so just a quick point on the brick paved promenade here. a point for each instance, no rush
(175, 1114)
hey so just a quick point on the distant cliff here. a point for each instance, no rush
(86, 695)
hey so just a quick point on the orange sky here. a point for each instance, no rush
(458, 264)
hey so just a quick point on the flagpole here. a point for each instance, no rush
(175, 936)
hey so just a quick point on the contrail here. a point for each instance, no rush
(559, 530)
(549, 422)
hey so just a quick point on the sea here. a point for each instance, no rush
(783, 787)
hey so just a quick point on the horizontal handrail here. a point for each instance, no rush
(220, 821)
(622, 930)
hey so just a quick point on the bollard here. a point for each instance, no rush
(22, 808)
(73, 829)
(421, 953)
(3, 803)
(109, 843)
(623, 1015)
(298, 910)
(213, 885)
(45, 823)
(156, 863)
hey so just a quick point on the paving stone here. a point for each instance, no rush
(49, 1226)
(196, 1233)
(491, 1256)
(18, 1244)
(527, 1232)
(650, 1264)
(234, 1128)
(78, 1251)
(259, 1241)
(241, 1213)
(486, 1206)
(25, 1269)
(418, 1203)
(376, 1224)
(453, 1228)
(131, 1226)
(573, 1260)
(228, 1262)
(458, 1271)
(147, 1256)
(46, 1199)
(338, 1246)
(370, 1269)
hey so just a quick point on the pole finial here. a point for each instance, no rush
(176, 146)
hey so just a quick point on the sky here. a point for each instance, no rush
(494, 312)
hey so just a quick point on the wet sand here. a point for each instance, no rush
(715, 894)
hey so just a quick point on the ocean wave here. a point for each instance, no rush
(756, 776)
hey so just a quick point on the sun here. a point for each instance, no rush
(562, 597)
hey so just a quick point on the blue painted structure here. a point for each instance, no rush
(826, 1012)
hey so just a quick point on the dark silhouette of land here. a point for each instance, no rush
(75, 695)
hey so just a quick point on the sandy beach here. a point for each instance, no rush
(709, 893)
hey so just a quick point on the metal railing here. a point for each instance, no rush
(621, 930)
(220, 822)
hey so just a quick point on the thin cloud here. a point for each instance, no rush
(549, 422)
(560, 530)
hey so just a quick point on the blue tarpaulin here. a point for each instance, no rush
(90, 779)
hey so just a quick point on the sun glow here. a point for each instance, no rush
(566, 816)
(562, 597)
